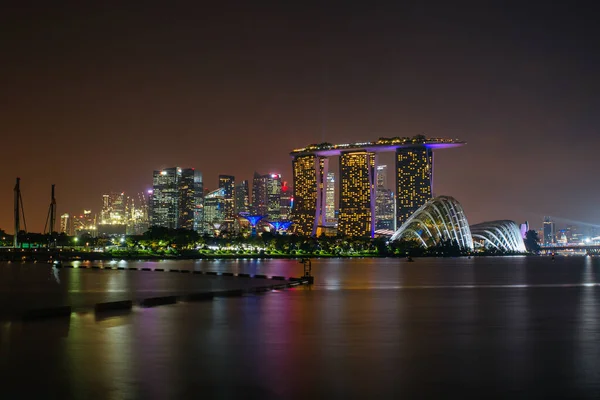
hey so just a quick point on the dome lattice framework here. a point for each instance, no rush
(503, 235)
(440, 219)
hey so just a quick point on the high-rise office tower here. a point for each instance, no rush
(114, 209)
(286, 202)
(274, 197)
(199, 202)
(384, 201)
(259, 194)
(357, 194)
(187, 199)
(148, 196)
(165, 198)
(549, 233)
(242, 197)
(266, 195)
(64, 224)
(227, 183)
(175, 197)
(214, 205)
(330, 199)
(414, 177)
(137, 207)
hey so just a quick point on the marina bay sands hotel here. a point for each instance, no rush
(357, 182)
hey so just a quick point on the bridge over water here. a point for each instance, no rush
(592, 249)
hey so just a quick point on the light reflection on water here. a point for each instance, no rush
(479, 328)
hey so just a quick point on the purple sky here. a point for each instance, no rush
(95, 97)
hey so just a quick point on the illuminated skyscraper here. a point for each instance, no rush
(384, 202)
(309, 172)
(137, 211)
(214, 206)
(273, 197)
(266, 195)
(187, 198)
(286, 203)
(165, 198)
(64, 224)
(227, 183)
(357, 194)
(414, 173)
(330, 199)
(259, 194)
(113, 217)
(242, 197)
(175, 197)
(114, 209)
(199, 202)
(549, 231)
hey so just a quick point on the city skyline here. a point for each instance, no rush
(92, 112)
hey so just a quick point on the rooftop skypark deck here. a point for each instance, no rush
(381, 145)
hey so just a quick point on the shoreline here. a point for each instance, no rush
(131, 256)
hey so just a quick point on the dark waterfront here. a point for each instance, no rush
(518, 327)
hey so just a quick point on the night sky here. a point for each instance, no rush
(95, 97)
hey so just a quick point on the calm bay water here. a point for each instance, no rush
(518, 327)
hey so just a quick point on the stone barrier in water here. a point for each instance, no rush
(229, 293)
(199, 296)
(114, 305)
(158, 301)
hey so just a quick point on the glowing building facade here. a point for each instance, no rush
(357, 194)
(199, 202)
(414, 177)
(242, 197)
(214, 210)
(330, 199)
(187, 200)
(227, 183)
(64, 224)
(309, 172)
(384, 201)
(266, 195)
(273, 197)
(85, 224)
(414, 180)
(165, 198)
(549, 231)
(137, 212)
(286, 202)
(114, 209)
(175, 198)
